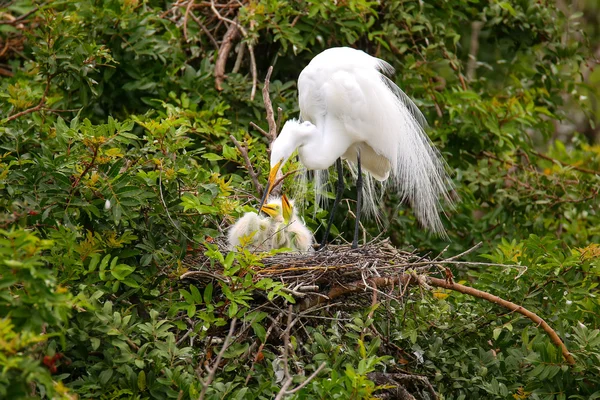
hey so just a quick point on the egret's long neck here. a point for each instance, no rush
(320, 151)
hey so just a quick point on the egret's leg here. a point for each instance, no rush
(359, 184)
(338, 197)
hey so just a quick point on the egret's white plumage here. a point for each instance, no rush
(281, 229)
(250, 231)
(289, 230)
(348, 107)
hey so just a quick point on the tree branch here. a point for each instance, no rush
(253, 174)
(408, 279)
(213, 370)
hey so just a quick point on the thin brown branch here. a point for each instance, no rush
(226, 44)
(282, 178)
(38, 107)
(15, 21)
(185, 19)
(286, 370)
(269, 107)
(473, 49)
(213, 370)
(564, 164)
(251, 171)
(261, 347)
(239, 58)
(206, 31)
(258, 128)
(408, 279)
(509, 305)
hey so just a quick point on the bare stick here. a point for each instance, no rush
(39, 106)
(226, 44)
(509, 305)
(408, 279)
(211, 373)
(240, 57)
(206, 31)
(249, 167)
(253, 71)
(288, 377)
(258, 128)
(473, 49)
(269, 107)
(472, 249)
(185, 18)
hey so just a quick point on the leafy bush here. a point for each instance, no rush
(116, 164)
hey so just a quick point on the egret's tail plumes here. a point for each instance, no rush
(418, 170)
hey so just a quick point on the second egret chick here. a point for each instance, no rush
(250, 231)
(287, 230)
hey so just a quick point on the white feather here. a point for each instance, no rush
(348, 106)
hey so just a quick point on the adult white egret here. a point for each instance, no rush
(350, 110)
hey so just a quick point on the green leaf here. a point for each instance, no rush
(141, 381)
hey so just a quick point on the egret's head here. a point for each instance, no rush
(293, 135)
(279, 209)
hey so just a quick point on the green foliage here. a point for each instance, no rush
(116, 162)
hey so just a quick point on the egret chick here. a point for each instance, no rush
(287, 228)
(250, 231)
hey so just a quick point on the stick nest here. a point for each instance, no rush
(324, 275)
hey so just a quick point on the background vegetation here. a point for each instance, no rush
(116, 162)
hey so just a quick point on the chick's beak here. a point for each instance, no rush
(269, 209)
(286, 208)
(270, 182)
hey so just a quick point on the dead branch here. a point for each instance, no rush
(473, 49)
(401, 381)
(242, 30)
(226, 44)
(564, 164)
(38, 107)
(205, 30)
(286, 370)
(269, 107)
(509, 305)
(213, 370)
(244, 151)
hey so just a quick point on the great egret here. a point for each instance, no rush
(250, 231)
(287, 230)
(350, 110)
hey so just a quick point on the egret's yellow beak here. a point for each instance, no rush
(270, 209)
(286, 209)
(270, 183)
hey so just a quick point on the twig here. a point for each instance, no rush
(233, 22)
(258, 128)
(185, 18)
(509, 305)
(282, 178)
(240, 57)
(473, 49)
(39, 106)
(464, 253)
(22, 17)
(206, 31)
(269, 107)
(286, 370)
(230, 36)
(211, 374)
(249, 167)
(262, 345)
(564, 164)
